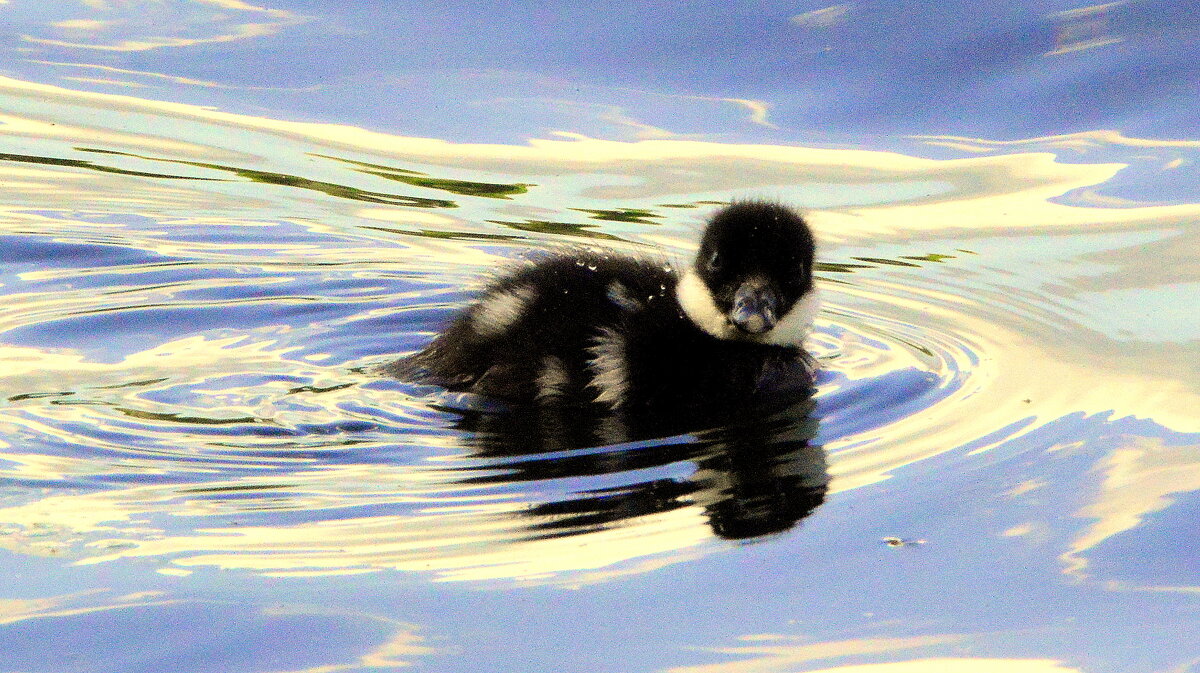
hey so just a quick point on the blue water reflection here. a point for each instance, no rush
(1002, 72)
(221, 218)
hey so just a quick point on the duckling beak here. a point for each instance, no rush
(755, 307)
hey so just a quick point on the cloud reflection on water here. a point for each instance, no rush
(142, 25)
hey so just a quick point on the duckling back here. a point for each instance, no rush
(548, 332)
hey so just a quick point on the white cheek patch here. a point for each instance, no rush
(796, 324)
(497, 312)
(697, 302)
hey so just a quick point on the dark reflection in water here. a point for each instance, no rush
(488, 190)
(283, 179)
(754, 476)
(444, 235)
(557, 228)
(88, 165)
(632, 215)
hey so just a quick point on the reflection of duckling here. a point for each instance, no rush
(630, 334)
(756, 477)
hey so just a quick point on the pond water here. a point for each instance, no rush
(219, 218)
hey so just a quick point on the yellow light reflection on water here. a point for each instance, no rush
(938, 665)
(1138, 480)
(400, 643)
(768, 653)
(71, 605)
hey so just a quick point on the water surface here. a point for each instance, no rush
(213, 234)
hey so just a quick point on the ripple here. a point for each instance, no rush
(324, 468)
(243, 452)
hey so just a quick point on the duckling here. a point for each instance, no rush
(629, 334)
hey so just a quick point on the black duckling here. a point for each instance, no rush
(631, 334)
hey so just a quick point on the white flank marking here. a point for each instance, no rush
(497, 312)
(619, 295)
(610, 376)
(552, 380)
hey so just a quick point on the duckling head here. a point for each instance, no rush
(752, 277)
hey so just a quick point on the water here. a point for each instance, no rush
(215, 227)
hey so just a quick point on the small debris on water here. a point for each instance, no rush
(901, 542)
